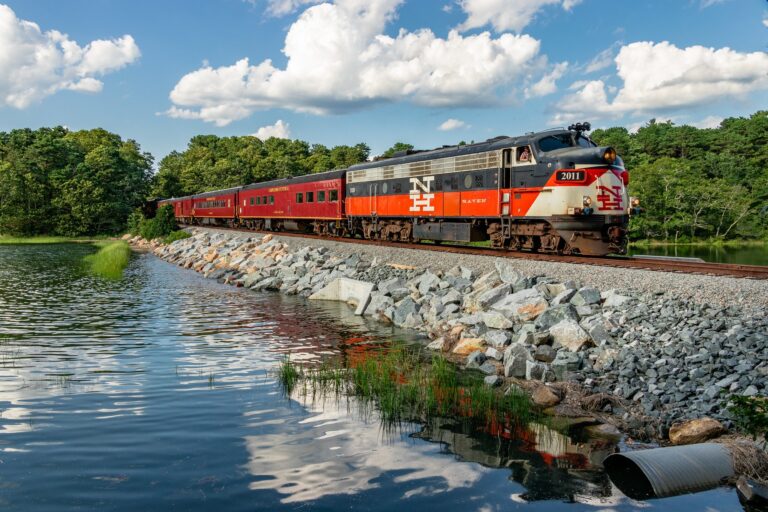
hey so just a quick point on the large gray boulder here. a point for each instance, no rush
(545, 354)
(523, 306)
(451, 297)
(497, 339)
(485, 283)
(563, 297)
(586, 296)
(387, 286)
(555, 315)
(515, 359)
(403, 309)
(378, 303)
(475, 360)
(507, 274)
(595, 327)
(535, 370)
(569, 334)
(428, 282)
(496, 320)
(565, 363)
(491, 296)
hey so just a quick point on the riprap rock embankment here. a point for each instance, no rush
(645, 359)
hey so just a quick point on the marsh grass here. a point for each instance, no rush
(31, 240)
(403, 385)
(111, 259)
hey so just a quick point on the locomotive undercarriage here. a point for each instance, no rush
(561, 235)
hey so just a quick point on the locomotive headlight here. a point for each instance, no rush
(587, 201)
(609, 155)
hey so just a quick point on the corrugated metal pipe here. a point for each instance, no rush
(663, 472)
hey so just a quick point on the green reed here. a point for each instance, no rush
(110, 260)
(404, 385)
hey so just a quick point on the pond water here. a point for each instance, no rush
(157, 392)
(752, 255)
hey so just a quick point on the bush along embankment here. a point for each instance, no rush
(657, 367)
(111, 259)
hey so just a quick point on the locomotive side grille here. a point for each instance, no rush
(487, 160)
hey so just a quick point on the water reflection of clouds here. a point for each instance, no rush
(333, 453)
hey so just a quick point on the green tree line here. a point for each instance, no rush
(56, 181)
(697, 184)
(693, 183)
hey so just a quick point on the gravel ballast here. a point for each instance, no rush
(748, 294)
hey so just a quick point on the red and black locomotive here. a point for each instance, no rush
(551, 191)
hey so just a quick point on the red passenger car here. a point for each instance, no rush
(218, 207)
(314, 202)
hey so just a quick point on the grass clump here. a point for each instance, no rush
(110, 260)
(406, 386)
(176, 235)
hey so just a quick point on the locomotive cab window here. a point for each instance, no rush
(310, 197)
(585, 142)
(321, 196)
(333, 195)
(554, 142)
(524, 155)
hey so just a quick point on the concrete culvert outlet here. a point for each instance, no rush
(663, 472)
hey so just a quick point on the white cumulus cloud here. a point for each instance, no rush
(280, 129)
(765, 20)
(35, 64)
(339, 59)
(547, 84)
(660, 77)
(451, 124)
(504, 15)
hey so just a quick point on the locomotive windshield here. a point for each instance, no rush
(563, 141)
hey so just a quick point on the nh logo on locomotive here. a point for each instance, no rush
(609, 197)
(421, 196)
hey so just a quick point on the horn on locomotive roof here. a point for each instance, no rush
(580, 127)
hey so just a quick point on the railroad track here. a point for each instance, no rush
(641, 263)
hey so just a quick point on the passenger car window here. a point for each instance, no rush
(321, 196)
(333, 195)
(271, 199)
(310, 197)
(299, 197)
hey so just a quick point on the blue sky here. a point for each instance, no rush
(376, 71)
